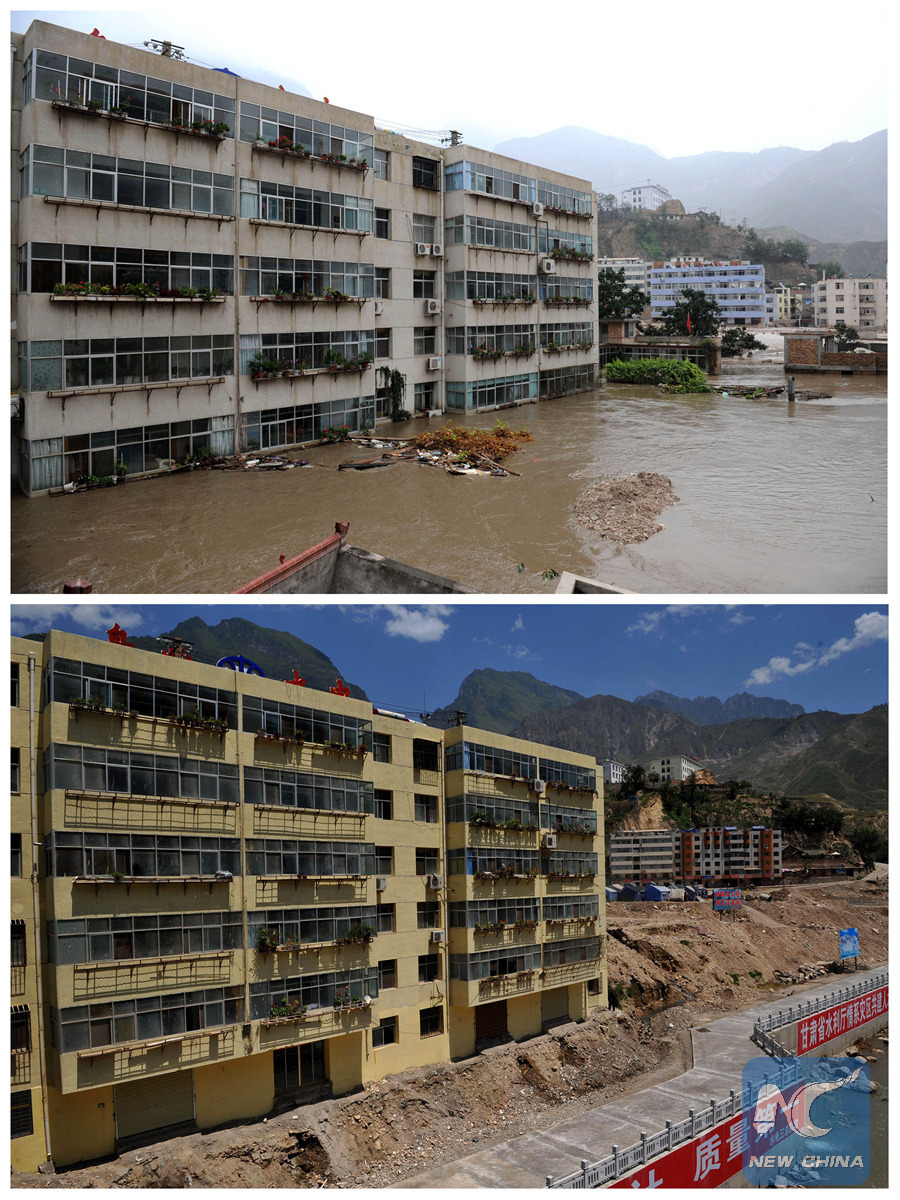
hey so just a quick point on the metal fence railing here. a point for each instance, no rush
(676, 1133)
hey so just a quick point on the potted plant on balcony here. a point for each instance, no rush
(266, 942)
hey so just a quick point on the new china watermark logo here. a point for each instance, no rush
(807, 1121)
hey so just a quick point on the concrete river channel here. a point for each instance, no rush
(773, 498)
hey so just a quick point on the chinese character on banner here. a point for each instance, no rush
(737, 1139)
(117, 636)
(707, 1157)
(340, 689)
(297, 680)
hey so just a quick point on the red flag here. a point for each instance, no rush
(689, 322)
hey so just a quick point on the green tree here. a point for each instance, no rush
(615, 298)
(846, 337)
(736, 340)
(828, 269)
(607, 202)
(870, 845)
(635, 781)
(694, 314)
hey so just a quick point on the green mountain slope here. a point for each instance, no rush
(499, 700)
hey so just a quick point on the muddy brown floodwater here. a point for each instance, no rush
(774, 498)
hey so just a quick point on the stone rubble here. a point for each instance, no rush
(624, 510)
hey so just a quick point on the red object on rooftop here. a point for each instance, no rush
(340, 689)
(297, 680)
(97, 33)
(117, 636)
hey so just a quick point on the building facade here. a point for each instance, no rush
(232, 894)
(644, 853)
(858, 302)
(673, 768)
(614, 772)
(645, 196)
(737, 286)
(208, 265)
(696, 855)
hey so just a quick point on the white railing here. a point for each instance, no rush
(620, 1162)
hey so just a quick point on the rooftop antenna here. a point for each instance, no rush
(454, 139)
(166, 49)
(458, 718)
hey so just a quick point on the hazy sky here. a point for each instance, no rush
(681, 80)
(406, 657)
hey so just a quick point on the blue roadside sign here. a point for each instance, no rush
(849, 943)
(725, 899)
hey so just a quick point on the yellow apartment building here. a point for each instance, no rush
(233, 894)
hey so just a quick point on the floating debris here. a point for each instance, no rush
(625, 510)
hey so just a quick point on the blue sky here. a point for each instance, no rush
(736, 78)
(823, 656)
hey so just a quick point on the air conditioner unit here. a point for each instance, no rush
(16, 407)
(381, 883)
(433, 364)
(537, 209)
(435, 882)
(437, 935)
(550, 841)
(432, 308)
(547, 266)
(538, 786)
(437, 250)
(379, 308)
(423, 248)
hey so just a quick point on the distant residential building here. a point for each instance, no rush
(613, 772)
(637, 271)
(730, 852)
(645, 196)
(642, 853)
(674, 768)
(793, 305)
(737, 285)
(858, 302)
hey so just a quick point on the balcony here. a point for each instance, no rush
(212, 131)
(284, 147)
(314, 1024)
(117, 879)
(155, 1056)
(496, 987)
(123, 810)
(191, 720)
(330, 297)
(327, 824)
(94, 981)
(128, 293)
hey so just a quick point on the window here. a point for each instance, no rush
(425, 173)
(424, 340)
(14, 680)
(426, 808)
(385, 918)
(423, 228)
(387, 973)
(382, 225)
(429, 968)
(426, 860)
(297, 1066)
(382, 343)
(384, 860)
(381, 747)
(423, 397)
(384, 804)
(18, 954)
(382, 165)
(15, 856)
(431, 1021)
(427, 914)
(382, 283)
(423, 285)
(385, 1032)
(20, 1029)
(21, 1119)
(14, 769)
(426, 755)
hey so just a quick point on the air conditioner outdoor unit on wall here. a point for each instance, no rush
(433, 364)
(547, 266)
(423, 248)
(537, 209)
(432, 308)
(435, 882)
(381, 883)
(538, 786)
(437, 250)
(379, 308)
(550, 841)
(437, 935)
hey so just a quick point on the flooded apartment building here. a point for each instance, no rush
(233, 894)
(209, 265)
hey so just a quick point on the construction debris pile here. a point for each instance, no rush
(625, 510)
(454, 448)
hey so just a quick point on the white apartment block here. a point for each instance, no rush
(674, 768)
(637, 272)
(738, 287)
(645, 196)
(639, 853)
(613, 772)
(708, 854)
(176, 228)
(858, 302)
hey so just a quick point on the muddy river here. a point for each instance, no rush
(773, 498)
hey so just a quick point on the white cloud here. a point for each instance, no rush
(92, 618)
(419, 624)
(518, 624)
(648, 622)
(521, 652)
(869, 628)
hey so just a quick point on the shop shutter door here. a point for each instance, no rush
(490, 1020)
(154, 1103)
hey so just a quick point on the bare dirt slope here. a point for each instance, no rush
(670, 977)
